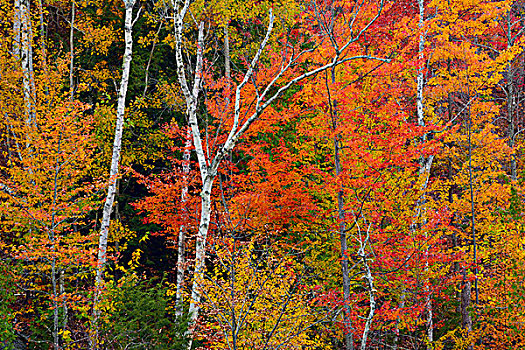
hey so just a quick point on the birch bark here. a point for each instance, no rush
(26, 59)
(23, 51)
(17, 23)
(191, 98)
(512, 93)
(184, 193)
(52, 237)
(370, 286)
(72, 52)
(181, 243)
(115, 159)
(425, 164)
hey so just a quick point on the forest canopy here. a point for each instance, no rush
(260, 174)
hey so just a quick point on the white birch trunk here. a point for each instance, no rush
(115, 159)
(511, 98)
(200, 249)
(191, 98)
(52, 238)
(208, 173)
(181, 243)
(372, 302)
(62, 290)
(26, 58)
(17, 24)
(367, 275)
(43, 46)
(420, 77)
(425, 164)
(23, 52)
(56, 337)
(72, 52)
(227, 64)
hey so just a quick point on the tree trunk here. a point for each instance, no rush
(372, 302)
(349, 341)
(23, 51)
(72, 52)
(466, 320)
(181, 243)
(466, 296)
(347, 323)
(200, 251)
(465, 303)
(424, 166)
(61, 284)
(511, 101)
(56, 344)
(227, 64)
(26, 52)
(17, 24)
(512, 123)
(115, 159)
(52, 239)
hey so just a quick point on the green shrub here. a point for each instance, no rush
(142, 316)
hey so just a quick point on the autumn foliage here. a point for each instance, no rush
(325, 174)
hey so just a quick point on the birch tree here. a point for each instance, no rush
(363, 239)
(181, 243)
(23, 51)
(513, 30)
(282, 79)
(115, 159)
(425, 163)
